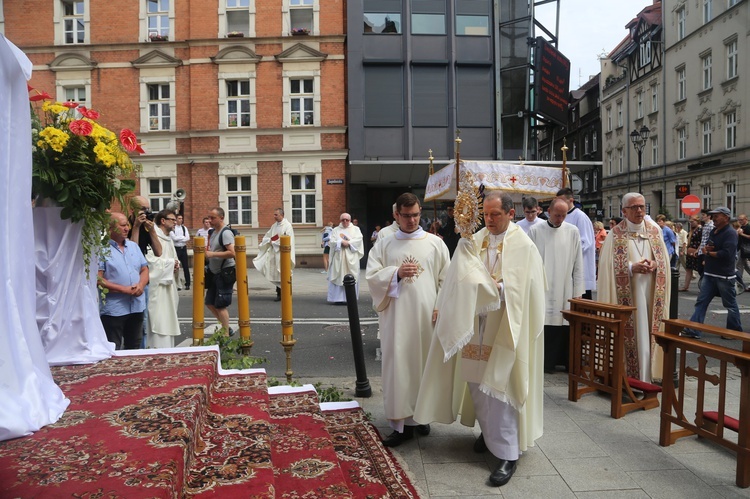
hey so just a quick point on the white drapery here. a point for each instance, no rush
(29, 397)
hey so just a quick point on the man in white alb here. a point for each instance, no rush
(588, 241)
(531, 219)
(347, 249)
(268, 261)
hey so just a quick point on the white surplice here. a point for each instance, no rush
(268, 261)
(343, 260)
(405, 310)
(163, 324)
(588, 245)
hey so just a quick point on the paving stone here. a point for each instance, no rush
(459, 479)
(640, 456)
(672, 484)
(601, 473)
(569, 445)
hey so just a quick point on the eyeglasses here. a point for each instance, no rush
(346, 219)
(410, 215)
(638, 207)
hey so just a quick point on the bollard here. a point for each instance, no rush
(243, 296)
(363, 384)
(674, 311)
(199, 285)
(287, 318)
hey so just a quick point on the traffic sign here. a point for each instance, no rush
(691, 205)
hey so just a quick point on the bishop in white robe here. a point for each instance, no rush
(268, 261)
(162, 323)
(404, 274)
(347, 249)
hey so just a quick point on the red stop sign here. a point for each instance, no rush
(691, 205)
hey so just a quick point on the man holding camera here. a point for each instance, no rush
(142, 226)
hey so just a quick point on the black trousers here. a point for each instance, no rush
(556, 346)
(182, 256)
(125, 331)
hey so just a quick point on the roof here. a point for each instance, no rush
(650, 15)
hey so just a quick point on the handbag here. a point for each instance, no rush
(228, 275)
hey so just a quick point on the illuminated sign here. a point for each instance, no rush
(551, 82)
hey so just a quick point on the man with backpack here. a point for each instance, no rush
(220, 268)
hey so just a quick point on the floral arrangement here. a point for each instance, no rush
(79, 165)
(235, 34)
(300, 31)
(156, 37)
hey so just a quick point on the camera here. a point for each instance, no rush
(149, 215)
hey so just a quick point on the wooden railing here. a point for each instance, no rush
(710, 423)
(597, 355)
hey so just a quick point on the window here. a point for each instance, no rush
(73, 23)
(654, 98)
(707, 11)
(609, 162)
(706, 63)
(620, 160)
(378, 23)
(681, 85)
(731, 189)
(639, 105)
(731, 129)
(707, 197)
(429, 95)
(384, 96)
(619, 115)
(303, 199)
(302, 108)
(472, 25)
(586, 144)
(645, 52)
(240, 200)
(301, 15)
(76, 94)
(237, 15)
(707, 137)
(575, 147)
(681, 23)
(238, 103)
(595, 180)
(609, 119)
(428, 24)
(586, 187)
(732, 3)
(681, 143)
(654, 151)
(159, 193)
(594, 139)
(158, 18)
(475, 92)
(732, 59)
(159, 115)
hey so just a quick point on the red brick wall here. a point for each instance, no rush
(23, 29)
(202, 191)
(125, 30)
(270, 190)
(334, 196)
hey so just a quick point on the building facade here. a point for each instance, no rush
(682, 73)
(241, 103)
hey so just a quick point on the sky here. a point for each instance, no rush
(589, 28)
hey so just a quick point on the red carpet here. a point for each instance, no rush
(169, 425)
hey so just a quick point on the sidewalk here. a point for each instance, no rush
(584, 453)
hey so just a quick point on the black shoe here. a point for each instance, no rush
(479, 445)
(689, 333)
(503, 472)
(187, 287)
(231, 332)
(423, 429)
(395, 439)
(278, 294)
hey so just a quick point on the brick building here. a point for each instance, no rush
(241, 103)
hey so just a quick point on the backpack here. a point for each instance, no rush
(235, 232)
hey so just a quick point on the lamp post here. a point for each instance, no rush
(638, 138)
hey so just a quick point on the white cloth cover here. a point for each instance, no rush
(29, 398)
(67, 306)
(163, 324)
(268, 261)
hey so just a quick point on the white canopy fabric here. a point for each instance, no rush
(29, 398)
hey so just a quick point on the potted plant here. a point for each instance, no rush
(156, 37)
(300, 31)
(235, 34)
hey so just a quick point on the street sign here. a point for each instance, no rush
(691, 205)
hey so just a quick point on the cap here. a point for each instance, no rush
(721, 209)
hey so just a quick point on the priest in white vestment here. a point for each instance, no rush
(347, 249)
(162, 323)
(268, 261)
(634, 271)
(488, 335)
(404, 274)
(588, 240)
(559, 244)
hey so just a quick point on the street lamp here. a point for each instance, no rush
(638, 138)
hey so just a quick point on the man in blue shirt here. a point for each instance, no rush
(719, 272)
(670, 239)
(124, 272)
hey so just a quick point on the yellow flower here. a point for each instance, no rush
(54, 107)
(57, 139)
(104, 154)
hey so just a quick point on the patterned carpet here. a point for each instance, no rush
(170, 426)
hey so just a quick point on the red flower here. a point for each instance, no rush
(39, 95)
(70, 104)
(81, 127)
(129, 141)
(89, 113)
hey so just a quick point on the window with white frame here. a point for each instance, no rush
(238, 103)
(157, 14)
(707, 5)
(575, 147)
(303, 198)
(681, 143)
(609, 119)
(706, 125)
(594, 139)
(654, 151)
(645, 52)
(620, 160)
(732, 59)
(731, 198)
(681, 84)
(681, 23)
(75, 94)
(619, 115)
(595, 180)
(159, 108)
(240, 200)
(609, 162)
(586, 144)
(731, 129)
(159, 193)
(586, 187)
(707, 197)
(654, 97)
(301, 15)
(302, 101)
(706, 64)
(74, 27)
(237, 16)
(639, 104)
(732, 3)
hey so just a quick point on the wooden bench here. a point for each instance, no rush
(597, 357)
(710, 423)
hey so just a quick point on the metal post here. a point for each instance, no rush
(243, 296)
(674, 312)
(287, 318)
(363, 384)
(199, 285)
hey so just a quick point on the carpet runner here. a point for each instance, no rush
(170, 425)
